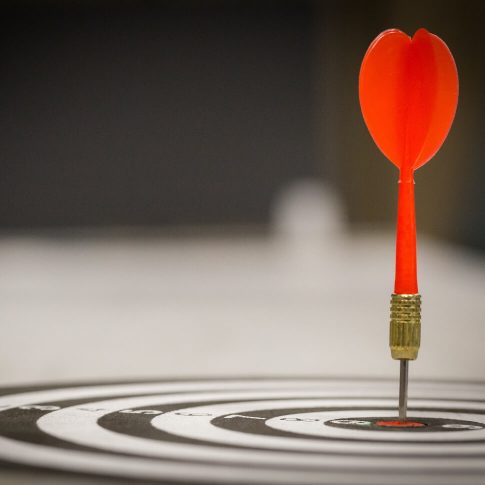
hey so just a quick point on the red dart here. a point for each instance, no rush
(408, 90)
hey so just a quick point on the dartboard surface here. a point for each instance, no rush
(245, 431)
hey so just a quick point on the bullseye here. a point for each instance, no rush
(425, 425)
(400, 424)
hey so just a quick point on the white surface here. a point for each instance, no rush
(316, 303)
(100, 309)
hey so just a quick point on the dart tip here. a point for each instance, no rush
(403, 389)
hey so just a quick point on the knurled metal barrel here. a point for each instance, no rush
(405, 327)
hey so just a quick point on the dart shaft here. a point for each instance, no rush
(406, 260)
(403, 389)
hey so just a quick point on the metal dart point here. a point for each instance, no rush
(403, 389)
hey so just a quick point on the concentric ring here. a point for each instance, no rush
(249, 431)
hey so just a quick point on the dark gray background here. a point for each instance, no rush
(191, 113)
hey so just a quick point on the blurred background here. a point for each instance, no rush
(187, 188)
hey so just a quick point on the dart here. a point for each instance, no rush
(408, 91)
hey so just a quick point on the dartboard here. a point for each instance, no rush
(247, 431)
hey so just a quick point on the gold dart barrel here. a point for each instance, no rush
(405, 328)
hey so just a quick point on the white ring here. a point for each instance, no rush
(201, 428)
(318, 428)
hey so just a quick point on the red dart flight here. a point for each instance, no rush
(408, 90)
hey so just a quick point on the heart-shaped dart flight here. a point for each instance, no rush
(408, 90)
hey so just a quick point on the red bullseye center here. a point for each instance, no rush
(400, 424)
